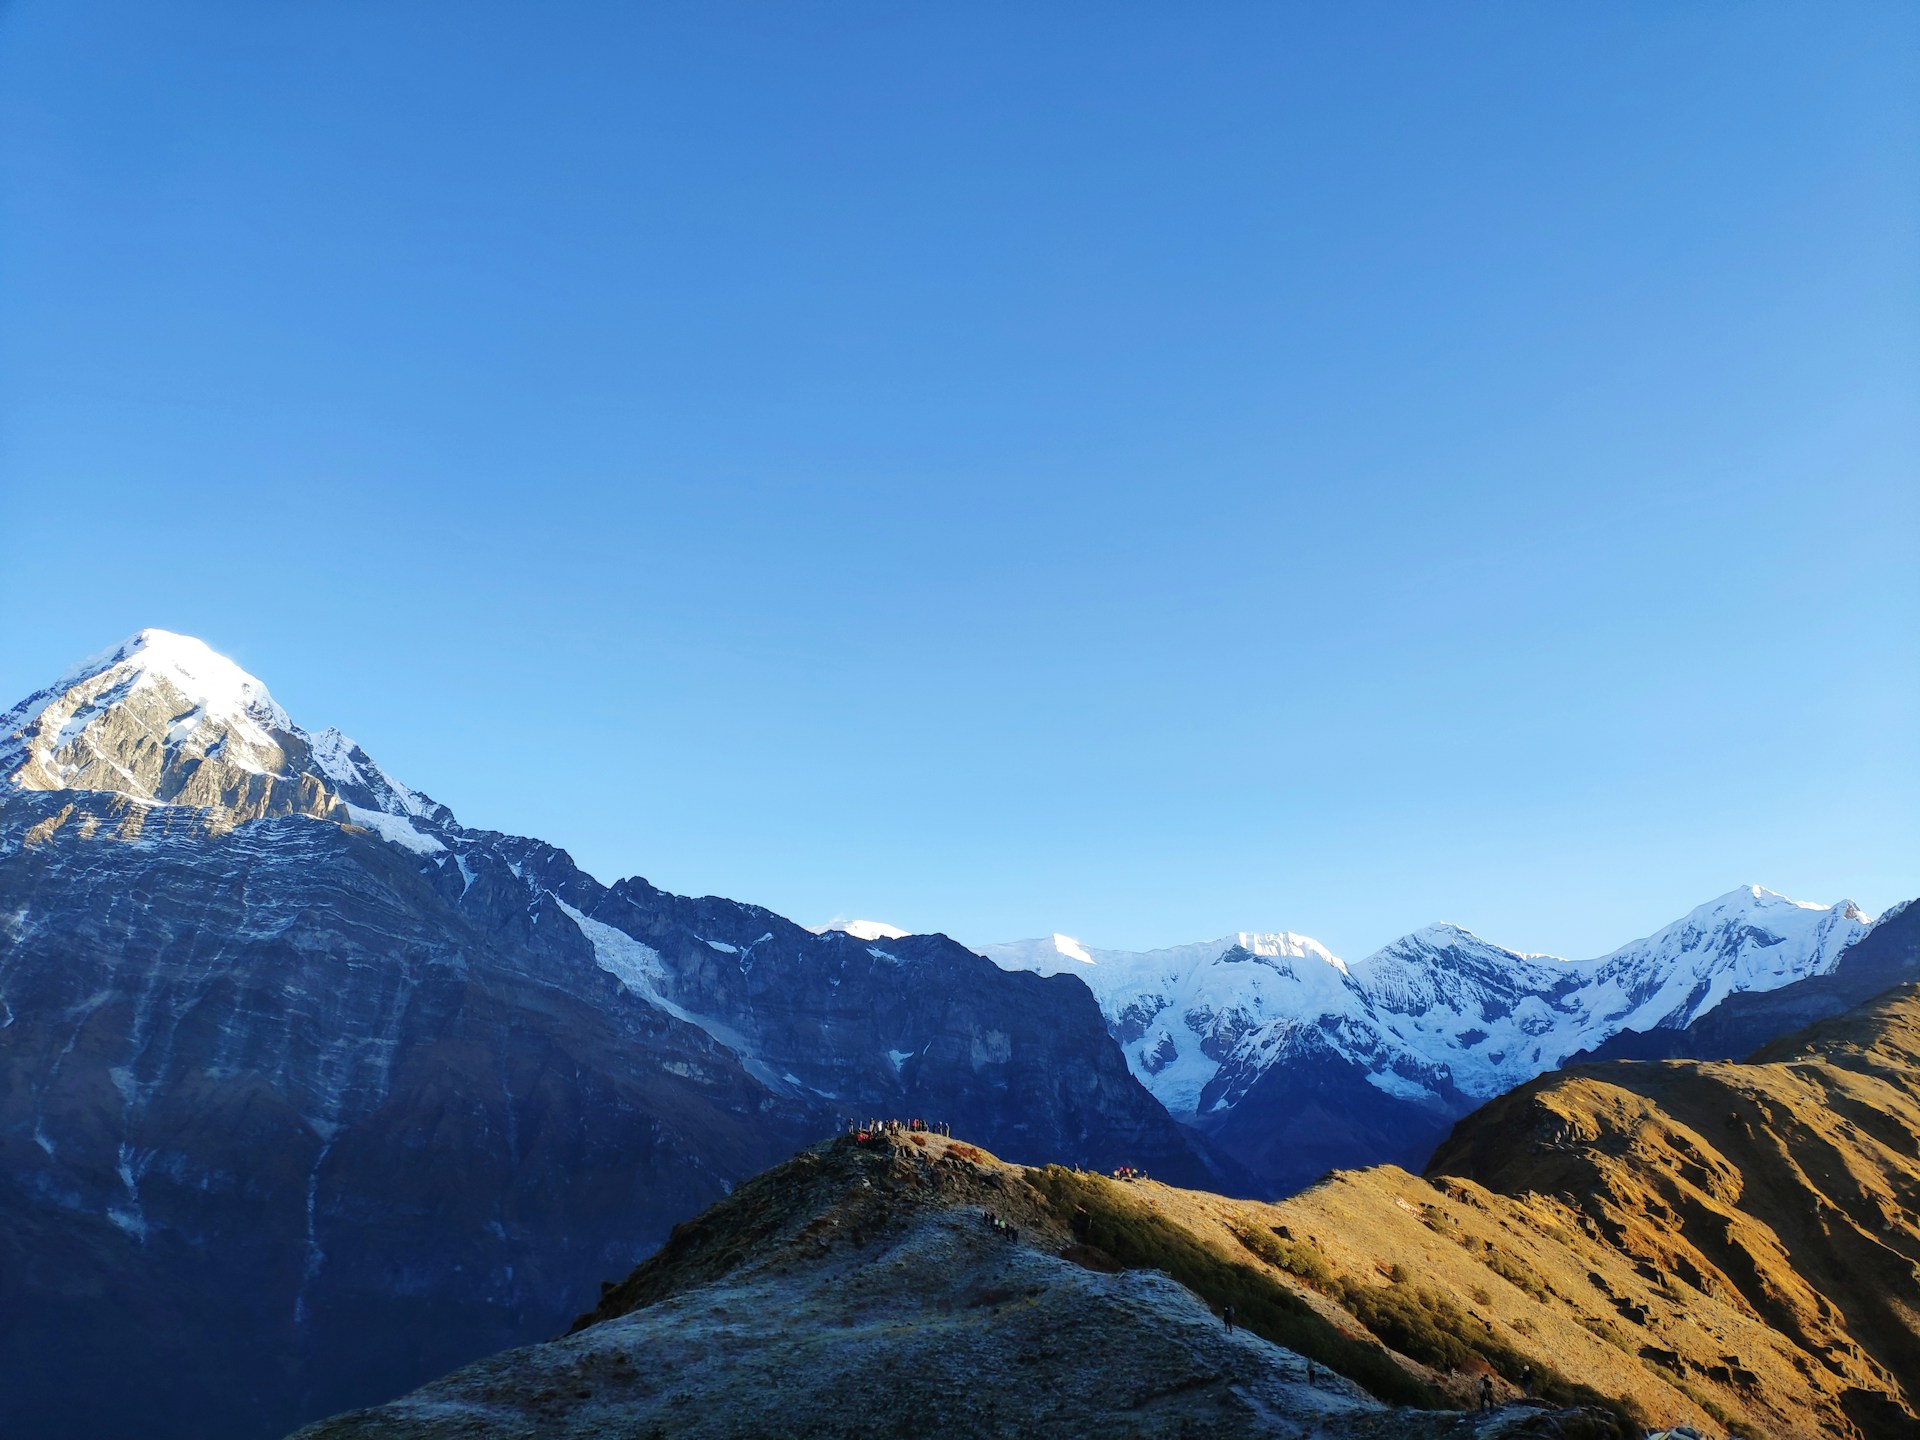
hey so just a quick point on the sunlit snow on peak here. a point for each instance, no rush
(165, 720)
(1275, 943)
(1071, 948)
(1758, 899)
(863, 929)
(209, 679)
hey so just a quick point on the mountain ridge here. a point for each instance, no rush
(1887, 955)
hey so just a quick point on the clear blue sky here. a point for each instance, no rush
(1140, 470)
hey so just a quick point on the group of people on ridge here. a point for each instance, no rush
(915, 1126)
(998, 1226)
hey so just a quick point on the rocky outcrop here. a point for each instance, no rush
(164, 720)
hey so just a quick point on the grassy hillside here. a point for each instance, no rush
(1765, 1214)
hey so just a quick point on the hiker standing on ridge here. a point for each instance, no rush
(1486, 1392)
(1226, 1314)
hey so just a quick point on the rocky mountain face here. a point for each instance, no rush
(1295, 1062)
(279, 1127)
(308, 1091)
(1731, 1246)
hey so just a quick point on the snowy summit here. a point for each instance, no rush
(164, 720)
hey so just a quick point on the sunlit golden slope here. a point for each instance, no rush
(1766, 1212)
(1729, 1244)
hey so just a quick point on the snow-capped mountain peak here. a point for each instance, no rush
(863, 929)
(1758, 900)
(1049, 955)
(1071, 949)
(356, 776)
(1286, 943)
(140, 718)
(163, 720)
(1178, 1012)
(1748, 939)
(213, 682)
(1443, 937)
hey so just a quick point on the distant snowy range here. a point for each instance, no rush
(1251, 1038)
(308, 1091)
(1294, 1060)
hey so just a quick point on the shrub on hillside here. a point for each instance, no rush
(1514, 1272)
(1295, 1259)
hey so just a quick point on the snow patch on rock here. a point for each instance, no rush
(640, 969)
(396, 831)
